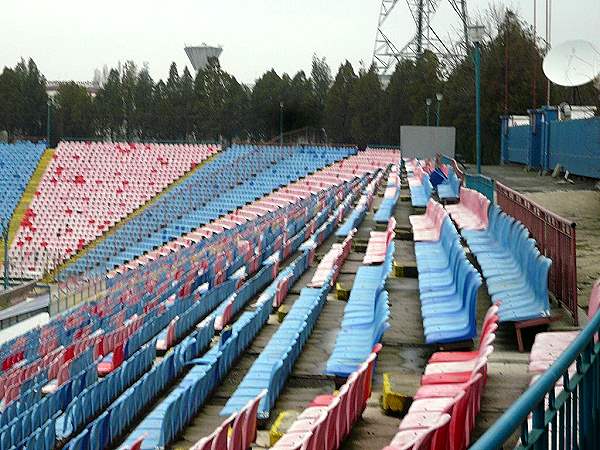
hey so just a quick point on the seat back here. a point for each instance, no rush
(250, 424)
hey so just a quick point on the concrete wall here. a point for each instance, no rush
(426, 142)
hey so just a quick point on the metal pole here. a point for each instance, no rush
(477, 60)
(427, 115)
(5, 239)
(280, 123)
(48, 122)
(437, 114)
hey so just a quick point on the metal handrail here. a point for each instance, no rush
(583, 351)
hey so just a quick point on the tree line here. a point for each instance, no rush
(352, 107)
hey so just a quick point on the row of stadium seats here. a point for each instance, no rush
(419, 183)
(329, 419)
(366, 313)
(445, 407)
(515, 272)
(87, 188)
(448, 283)
(17, 163)
(390, 197)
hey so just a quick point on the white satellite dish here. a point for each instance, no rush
(572, 63)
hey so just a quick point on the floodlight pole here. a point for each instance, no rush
(428, 103)
(48, 122)
(477, 61)
(5, 241)
(280, 123)
(439, 98)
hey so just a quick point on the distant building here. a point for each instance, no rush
(200, 55)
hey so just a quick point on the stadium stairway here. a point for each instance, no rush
(52, 275)
(28, 194)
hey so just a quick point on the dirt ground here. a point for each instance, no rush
(579, 202)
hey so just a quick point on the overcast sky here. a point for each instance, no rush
(70, 38)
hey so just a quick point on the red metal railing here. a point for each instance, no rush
(556, 239)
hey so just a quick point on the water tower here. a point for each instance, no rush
(199, 55)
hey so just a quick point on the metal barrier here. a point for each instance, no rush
(571, 419)
(481, 183)
(556, 239)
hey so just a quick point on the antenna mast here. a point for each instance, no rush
(386, 54)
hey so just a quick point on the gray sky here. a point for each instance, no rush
(70, 38)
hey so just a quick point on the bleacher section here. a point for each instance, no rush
(17, 164)
(96, 362)
(217, 313)
(236, 176)
(346, 169)
(87, 188)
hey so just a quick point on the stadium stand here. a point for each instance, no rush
(95, 360)
(17, 163)
(87, 188)
(236, 176)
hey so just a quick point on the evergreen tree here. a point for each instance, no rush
(110, 106)
(142, 120)
(73, 113)
(321, 79)
(365, 108)
(338, 117)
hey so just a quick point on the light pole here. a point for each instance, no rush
(475, 36)
(280, 123)
(439, 97)
(428, 103)
(6, 262)
(48, 122)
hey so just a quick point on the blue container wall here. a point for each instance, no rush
(517, 143)
(575, 145)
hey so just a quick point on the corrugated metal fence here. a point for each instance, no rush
(574, 144)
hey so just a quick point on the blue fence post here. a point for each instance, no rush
(503, 139)
(534, 158)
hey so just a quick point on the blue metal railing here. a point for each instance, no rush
(569, 420)
(482, 184)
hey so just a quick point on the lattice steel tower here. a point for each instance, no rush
(386, 53)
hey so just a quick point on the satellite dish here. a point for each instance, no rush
(572, 63)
